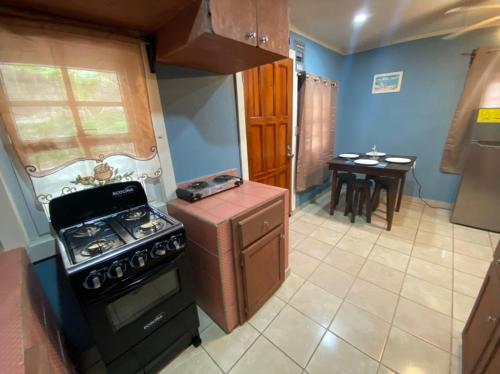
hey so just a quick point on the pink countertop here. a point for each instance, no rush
(225, 205)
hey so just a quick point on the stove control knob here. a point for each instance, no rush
(94, 280)
(138, 260)
(174, 243)
(159, 249)
(117, 269)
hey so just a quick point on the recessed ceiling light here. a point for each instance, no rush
(359, 19)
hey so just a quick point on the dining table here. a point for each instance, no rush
(382, 169)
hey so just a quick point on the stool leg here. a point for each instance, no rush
(348, 200)
(354, 207)
(391, 204)
(360, 202)
(368, 207)
(337, 195)
(376, 197)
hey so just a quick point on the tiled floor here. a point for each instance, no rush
(359, 299)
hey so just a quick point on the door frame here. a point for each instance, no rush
(242, 126)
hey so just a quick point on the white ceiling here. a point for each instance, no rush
(329, 22)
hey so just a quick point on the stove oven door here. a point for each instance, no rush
(121, 319)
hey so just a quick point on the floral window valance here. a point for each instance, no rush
(75, 107)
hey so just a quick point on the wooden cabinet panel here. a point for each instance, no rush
(260, 223)
(263, 270)
(272, 25)
(482, 323)
(236, 20)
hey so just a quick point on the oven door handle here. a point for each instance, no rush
(137, 281)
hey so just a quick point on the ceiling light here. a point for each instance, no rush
(359, 19)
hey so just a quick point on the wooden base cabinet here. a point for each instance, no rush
(481, 334)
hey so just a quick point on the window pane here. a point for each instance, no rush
(107, 149)
(32, 82)
(42, 123)
(103, 120)
(48, 159)
(91, 85)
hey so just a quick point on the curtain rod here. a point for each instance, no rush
(316, 78)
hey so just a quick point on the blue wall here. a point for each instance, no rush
(324, 62)
(416, 120)
(201, 120)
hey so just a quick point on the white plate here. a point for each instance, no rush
(349, 155)
(376, 154)
(398, 160)
(365, 161)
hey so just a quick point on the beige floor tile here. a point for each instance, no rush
(430, 272)
(361, 329)
(494, 239)
(445, 229)
(469, 234)
(192, 361)
(326, 235)
(264, 357)
(345, 261)
(335, 223)
(470, 265)
(427, 294)
(435, 255)
(388, 257)
(435, 219)
(226, 349)
(355, 246)
(205, 320)
(456, 344)
(425, 323)
(403, 232)
(316, 303)
(456, 365)
(364, 232)
(383, 276)
(462, 306)
(384, 370)
(393, 242)
(466, 284)
(267, 313)
(295, 334)
(332, 280)
(434, 240)
(303, 264)
(407, 354)
(409, 222)
(313, 218)
(336, 356)
(314, 248)
(289, 287)
(303, 227)
(373, 299)
(295, 238)
(482, 252)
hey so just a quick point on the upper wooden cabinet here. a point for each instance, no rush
(225, 36)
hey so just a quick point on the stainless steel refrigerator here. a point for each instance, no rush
(478, 199)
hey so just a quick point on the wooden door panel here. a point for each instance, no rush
(268, 98)
(272, 21)
(235, 19)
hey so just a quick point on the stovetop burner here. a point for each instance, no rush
(223, 178)
(151, 226)
(96, 247)
(134, 215)
(198, 185)
(86, 231)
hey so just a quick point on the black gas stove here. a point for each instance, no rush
(127, 265)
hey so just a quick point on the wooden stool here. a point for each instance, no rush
(347, 179)
(390, 185)
(361, 191)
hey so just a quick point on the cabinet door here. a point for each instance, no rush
(272, 25)
(235, 20)
(481, 325)
(263, 270)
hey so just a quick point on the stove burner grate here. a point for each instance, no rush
(135, 215)
(151, 226)
(96, 247)
(86, 231)
(198, 185)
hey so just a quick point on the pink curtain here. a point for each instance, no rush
(481, 90)
(317, 118)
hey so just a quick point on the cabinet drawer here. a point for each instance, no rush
(482, 322)
(259, 224)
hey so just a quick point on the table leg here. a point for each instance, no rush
(401, 191)
(391, 203)
(334, 188)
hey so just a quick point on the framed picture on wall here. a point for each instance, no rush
(387, 82)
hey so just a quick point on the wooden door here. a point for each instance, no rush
(481, 325)
(268, 106)
(272, 25)
(235, 20)
(263, 270)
